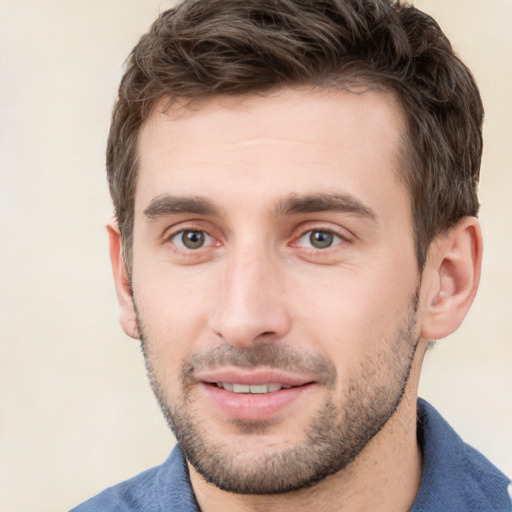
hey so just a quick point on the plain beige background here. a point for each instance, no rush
(76, 411)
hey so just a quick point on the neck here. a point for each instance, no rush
(385, 476)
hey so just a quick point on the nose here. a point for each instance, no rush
(252, 300)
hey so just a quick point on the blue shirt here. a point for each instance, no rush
(456, 478)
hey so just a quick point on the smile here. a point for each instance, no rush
(253, 401)
(253, 389)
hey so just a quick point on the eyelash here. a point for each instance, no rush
(173, 236)
(341, 239)
(210, 240)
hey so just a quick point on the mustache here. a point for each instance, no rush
(264, 355)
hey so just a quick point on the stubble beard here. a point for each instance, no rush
(337, 433)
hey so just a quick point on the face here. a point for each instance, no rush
(275, 281)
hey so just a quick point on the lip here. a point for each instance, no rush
(248, 406)
(252, 378)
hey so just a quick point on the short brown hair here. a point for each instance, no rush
(207, 47)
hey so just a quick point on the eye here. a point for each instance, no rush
(190, 240)
(319, 239)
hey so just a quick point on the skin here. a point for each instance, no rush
(258, 281)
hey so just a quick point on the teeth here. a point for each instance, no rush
(254, 389)
(241, 388)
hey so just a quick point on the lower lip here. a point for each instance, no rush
(253, 407)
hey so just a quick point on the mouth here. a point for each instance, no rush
(254, 395)
(255, 389)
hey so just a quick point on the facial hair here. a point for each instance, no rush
(337, 433)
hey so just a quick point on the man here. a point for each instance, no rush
(295, 192)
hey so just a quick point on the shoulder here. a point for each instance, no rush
(455, 475)
(137, 493)
(163, 488)
(486, 484)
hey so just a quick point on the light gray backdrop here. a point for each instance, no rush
(76, 411)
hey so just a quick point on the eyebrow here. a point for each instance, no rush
(343, 203)
(165, 204)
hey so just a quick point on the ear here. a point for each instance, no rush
(452, 275)
(128, 317)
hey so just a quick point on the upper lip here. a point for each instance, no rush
(252, 377)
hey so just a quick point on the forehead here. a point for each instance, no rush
(290, 141)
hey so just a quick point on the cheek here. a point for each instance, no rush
(173, 306)
(350, 315)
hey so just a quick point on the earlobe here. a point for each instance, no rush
(128, 317)
(453, 274)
